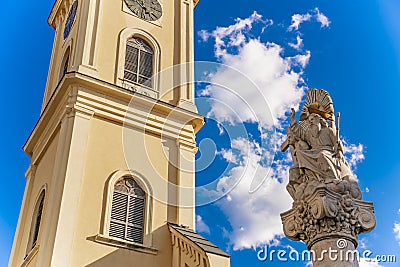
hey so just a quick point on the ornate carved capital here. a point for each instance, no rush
(325, 214)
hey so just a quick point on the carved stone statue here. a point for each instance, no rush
(327, 199)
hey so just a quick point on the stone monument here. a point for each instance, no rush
(328, 212)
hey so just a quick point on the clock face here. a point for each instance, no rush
(70, 19)
(146, 9)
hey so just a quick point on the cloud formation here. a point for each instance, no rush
(368, 263)
(260, 83)
(316, 14)
(321, 18)
(258, 221)
(201, 226)
(298, 19)
(396, 230)
(298, 45)
(353, 153)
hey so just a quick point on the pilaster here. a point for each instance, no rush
(67, 181)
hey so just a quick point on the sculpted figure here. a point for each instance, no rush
(324, 154)
(316, 150)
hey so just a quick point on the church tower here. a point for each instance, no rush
(111, 178)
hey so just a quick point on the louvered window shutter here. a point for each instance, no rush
(138, 62)
(128, 211)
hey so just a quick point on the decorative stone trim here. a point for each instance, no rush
(28, 258)
(120, 243)
(86, 99)
(59, 12)
(191, 250)
(326, 214)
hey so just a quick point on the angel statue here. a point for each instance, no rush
(316, 149)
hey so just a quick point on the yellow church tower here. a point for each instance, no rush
(111, 178)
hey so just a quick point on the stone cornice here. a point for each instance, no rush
(84, 94)
(59, 7)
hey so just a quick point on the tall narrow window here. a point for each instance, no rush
(128, 211)
(65, 67)
(36, 219)
(138, 62)
(64, 64)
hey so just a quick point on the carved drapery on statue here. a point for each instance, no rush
(327, 198)
(316, 149)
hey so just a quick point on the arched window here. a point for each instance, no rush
(128, 211)
(65, 67)
(64, 64)
(138, 62)
(36, 219)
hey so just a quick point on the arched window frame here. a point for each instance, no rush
(125, 35)
(64, 66)
(66, 53)
(143, 183)
(56, 67)
(36, 223)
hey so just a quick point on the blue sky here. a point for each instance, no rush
(356, 57)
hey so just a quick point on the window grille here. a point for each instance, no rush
(128, 211)
(138, 62)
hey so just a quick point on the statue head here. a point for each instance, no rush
(314, 119)
(315, 124)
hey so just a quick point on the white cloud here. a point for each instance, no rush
(353, 153)
(261, 85)
(201, 226)
(298, 19)
(299, 43)
(396, 230)
(325, 22)
(204, 35)
(362, 243)
(234, 33)
(258, 221)
(302, 59)
(366, 262)
(228, 155)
